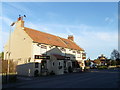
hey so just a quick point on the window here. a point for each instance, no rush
(43, 46)
(64, 64)
(50, 46)
(78, 52)
(59, 63)
(67, 58)
(73, 51)
(36, 65)
(70, 49)
(73, 57)
(62, 49)
(53, 63)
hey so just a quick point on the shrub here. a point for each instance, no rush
(102, 67)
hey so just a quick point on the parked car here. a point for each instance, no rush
(93, 66)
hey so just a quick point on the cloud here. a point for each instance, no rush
(109, 20)
(52, 14)
(36, 26)
(3, 39)
(82, 31)
(16, 7)
(107, 36)
(6, 20)
(69, 32)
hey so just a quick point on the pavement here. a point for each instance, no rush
(108, 78)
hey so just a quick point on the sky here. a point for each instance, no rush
(94, 25)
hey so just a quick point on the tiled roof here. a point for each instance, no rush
(42, 37)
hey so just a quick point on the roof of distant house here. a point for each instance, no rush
(45, 38)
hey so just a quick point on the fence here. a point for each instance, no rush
(11, 76)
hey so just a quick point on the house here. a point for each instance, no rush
(103, 59)
(40, 53)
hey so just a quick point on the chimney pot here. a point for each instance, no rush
(70, 37)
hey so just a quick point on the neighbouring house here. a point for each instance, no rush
(101, 60)
(39, 53)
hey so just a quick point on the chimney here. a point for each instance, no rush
(20, 22)
(70, 37)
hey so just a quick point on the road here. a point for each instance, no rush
(92, 79)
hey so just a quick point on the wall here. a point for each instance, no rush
(20, 46)
(27, 69)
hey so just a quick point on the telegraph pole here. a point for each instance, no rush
(8, 69)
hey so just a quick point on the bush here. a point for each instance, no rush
(102, 67)
(87, 68)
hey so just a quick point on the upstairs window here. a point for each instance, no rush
(74, 52)
(50, 46)
(62, 49)
(78, 52)
(43, 46)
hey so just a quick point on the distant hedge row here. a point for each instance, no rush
(12, 66)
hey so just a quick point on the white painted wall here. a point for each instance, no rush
(27, 69)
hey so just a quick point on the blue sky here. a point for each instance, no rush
(93, 24)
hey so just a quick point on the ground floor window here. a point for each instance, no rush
(36, 65)
(53, 63)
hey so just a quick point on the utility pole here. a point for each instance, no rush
(9, 53)
(8, 68)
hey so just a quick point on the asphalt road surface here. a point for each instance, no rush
(92, 79)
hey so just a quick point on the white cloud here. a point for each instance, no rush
(17, 8)
(3, 39)
(52, 14)
(82, 31)
(109, 20)
(69, 32)
(6, 20)
(36, 26)
(107, 36)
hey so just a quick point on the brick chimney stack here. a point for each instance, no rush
(20, 22)
(70, 37)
